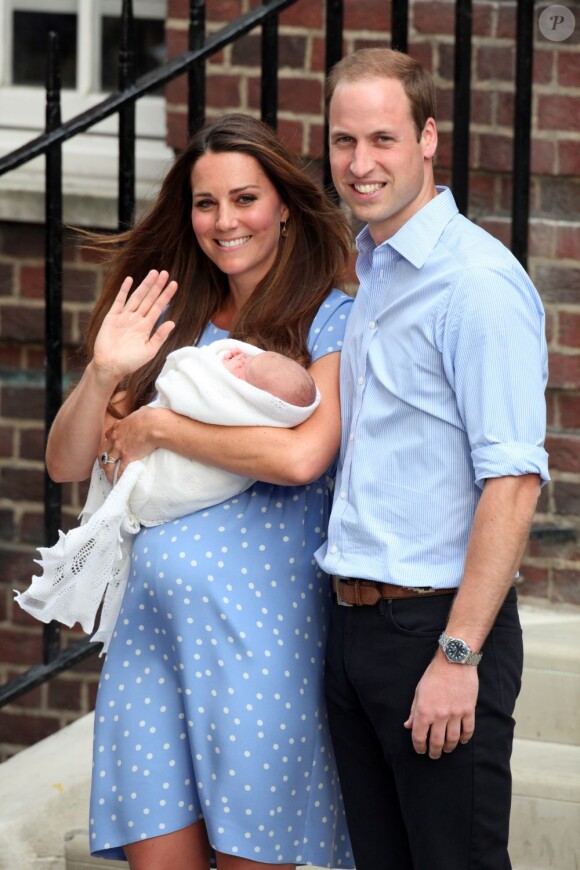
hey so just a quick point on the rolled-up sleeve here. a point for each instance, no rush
(496, 358)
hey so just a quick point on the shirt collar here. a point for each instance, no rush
(419, 235)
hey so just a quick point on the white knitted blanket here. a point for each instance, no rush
(90, 564)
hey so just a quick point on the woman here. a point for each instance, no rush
(210, 728)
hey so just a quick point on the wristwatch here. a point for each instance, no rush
(457, 651)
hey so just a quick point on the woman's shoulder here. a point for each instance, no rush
(336, 304)
(336, 299)
(329, 323)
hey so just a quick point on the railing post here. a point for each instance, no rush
(269, 84)
(400, 25)
(126, 119)
(196, 75)
(461, 105)
(522, 130)
(334, 29)
(53, 312)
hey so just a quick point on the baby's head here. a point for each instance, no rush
(274, 373)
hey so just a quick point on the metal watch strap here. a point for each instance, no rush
(470, 659)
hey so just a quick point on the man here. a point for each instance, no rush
(443, 374)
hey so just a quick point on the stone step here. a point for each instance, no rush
(77, 857)
(44, 790)
(545, 834)
(77, 854)
(549, 704)
(545, 821)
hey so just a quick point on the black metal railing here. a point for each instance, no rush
(192, 62)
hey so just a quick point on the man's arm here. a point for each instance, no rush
(443, 710)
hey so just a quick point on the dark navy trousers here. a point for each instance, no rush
(406, 811)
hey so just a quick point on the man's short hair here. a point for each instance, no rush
(374, 63)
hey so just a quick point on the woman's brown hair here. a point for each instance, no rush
(311, 259)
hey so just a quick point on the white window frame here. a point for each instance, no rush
(89, 160)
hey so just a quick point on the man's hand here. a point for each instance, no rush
(443, 710)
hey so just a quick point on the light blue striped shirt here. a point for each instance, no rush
(443, 373)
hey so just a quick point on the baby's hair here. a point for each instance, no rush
(283, 377)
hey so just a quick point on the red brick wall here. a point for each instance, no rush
(59, 702)
(551, 567)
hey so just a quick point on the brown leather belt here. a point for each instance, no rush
(350, 590)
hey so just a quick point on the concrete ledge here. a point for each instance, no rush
(544, 830)
(544, 835)
(78, 856)
(44, 791)
(549, 704)
(552, 637)
(548, 707)
(547, 770)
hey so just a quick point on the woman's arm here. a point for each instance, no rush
(289, 457)
(77, 431)
(125, 342)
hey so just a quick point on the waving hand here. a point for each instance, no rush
(127, 338)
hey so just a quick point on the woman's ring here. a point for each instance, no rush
(107, 460)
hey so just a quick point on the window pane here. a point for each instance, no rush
(149, 48)
(30, 32)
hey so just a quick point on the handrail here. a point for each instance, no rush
(144, 85)
(52, 311)
(39, 674)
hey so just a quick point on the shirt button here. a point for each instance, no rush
(372, 324)
(334, 549)
(361, 380)
(343, 494)
(351, 436)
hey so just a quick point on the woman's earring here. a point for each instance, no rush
(284, 230)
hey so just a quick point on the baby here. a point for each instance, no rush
(227, 383)
(277, 374)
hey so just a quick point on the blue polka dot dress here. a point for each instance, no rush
(210, 702)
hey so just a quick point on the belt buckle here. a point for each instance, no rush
(338, 595)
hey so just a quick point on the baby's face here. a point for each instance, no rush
(236, 362)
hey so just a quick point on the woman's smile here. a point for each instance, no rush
(233, 243)
(236, 216)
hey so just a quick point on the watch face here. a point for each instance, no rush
(456, 650)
